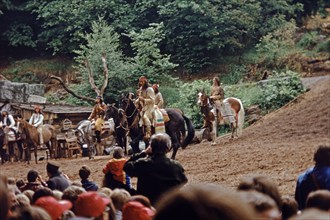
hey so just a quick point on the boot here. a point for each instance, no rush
(98, 136)
(148, 132)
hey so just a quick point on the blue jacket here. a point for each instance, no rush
(89, 185)
(307, 184)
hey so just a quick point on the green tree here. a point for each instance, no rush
(148, 58)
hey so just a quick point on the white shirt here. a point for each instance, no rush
(10, 119)
(36, 119)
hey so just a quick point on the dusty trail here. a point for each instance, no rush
(281, 145)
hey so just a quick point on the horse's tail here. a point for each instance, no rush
(240, 120)
(191, 132)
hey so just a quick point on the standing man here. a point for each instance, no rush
(146, 100)
(56, 179)
(98, 116)
(156, 172)
(217, 96)
(7, 123)
(37, 120)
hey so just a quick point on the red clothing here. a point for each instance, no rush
(116, 166)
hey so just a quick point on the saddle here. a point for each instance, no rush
(106, 126)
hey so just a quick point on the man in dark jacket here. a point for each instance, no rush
(156, 173)
(56, 179)
(315, 178)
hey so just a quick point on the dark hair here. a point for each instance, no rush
(32, 175)
(322, 156)
(84, 172)
(264, 185)
(118, 153)
(319, 199)
(201, 202)
(160, 143)
(40, 193)
(289, 207)
(217, 80)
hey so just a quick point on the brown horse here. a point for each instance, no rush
(32, 136)
(209, 112)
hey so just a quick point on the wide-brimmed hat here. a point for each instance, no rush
(54, 207)
(90, 204)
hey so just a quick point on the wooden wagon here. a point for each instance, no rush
(67, 142)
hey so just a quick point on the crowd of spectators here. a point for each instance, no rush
(161, 193)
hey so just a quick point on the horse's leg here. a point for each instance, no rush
(214, 131)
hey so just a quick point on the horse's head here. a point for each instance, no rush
(202, 98)
(110, 111)
(126, 103)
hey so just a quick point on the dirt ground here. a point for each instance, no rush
(280, 146)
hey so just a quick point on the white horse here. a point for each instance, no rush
(209, 112)
(85, 135)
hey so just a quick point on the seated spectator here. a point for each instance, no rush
(312, 214)
(156, 172)
(84, 174)
(319, 199)
(115, 177)
(53, 207)
(143, 200)
(263, 205)
(20, 183)
(34, 181)
(56, 179)
(57, 194)
(262, 184)
(30, 213)
(21, 201)
(105, 190)
(200, 202)
(91, 204)
(71, 193)
(119, 197)
(40, 193)
(289, 207)
(315, 178)
(137, 211)
(5, 200)
(29, 194)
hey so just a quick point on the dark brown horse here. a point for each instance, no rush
(175, 127)
(32, 136)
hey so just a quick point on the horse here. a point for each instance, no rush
(85, 135)
(175, 127)
(209, 112)
(32, 136)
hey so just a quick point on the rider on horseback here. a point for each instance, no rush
(222, 109)
(217, 96)
(98, 115)
(159, 101)
(7, 123)
(36, 120)
(146, 101)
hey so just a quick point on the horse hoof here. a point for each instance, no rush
(214, 143)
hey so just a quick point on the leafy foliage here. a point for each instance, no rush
(102, 40)
(274, 45)
(280, 89)
(148, 59)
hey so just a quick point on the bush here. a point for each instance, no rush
(235, 75)
(280, 89)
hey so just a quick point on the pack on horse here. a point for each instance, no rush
(175, 127)
(209, 113)
(32, 136)
(86, 135)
